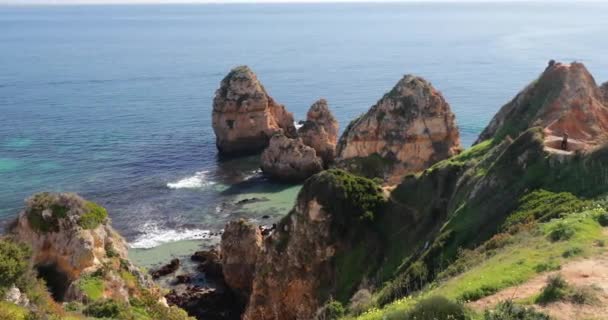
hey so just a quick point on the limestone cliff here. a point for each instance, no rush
(290, 159)
(240, 246)
(296, 268)
(565, 99)
(245, 116)
(407, 130)
(72, 242)
(320, 131)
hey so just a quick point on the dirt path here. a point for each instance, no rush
(586, 272)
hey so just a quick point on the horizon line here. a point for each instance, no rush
(20, 3)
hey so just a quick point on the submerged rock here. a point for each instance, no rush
(407, 130)
(564, 100)
(167, 269)
(289, 159)
(320, 131)
(245, 116)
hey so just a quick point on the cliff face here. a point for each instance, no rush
(297, 262)
(407, 130)
(564, 99)
(289, 159)
(245, 116)
(72, 243)
(320, 131)
(240, 247)
(67, 231)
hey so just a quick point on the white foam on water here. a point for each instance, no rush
(198, 180)
(153, 236)
(297, 125)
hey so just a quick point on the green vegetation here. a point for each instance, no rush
(432, 308)
(13, 263)
(37, 206)
(332, 310)
(527, 253)
(508, 310)
(561, 231)
(105, 309)
(94, 216)
(557, 289)
(372, 166)
(9, 311)
(92, 286)
(542, 205)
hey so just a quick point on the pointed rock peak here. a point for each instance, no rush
(565, 101)
(245, 116)
(319, 112)
(408, 130)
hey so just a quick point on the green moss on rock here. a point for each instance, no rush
(94, 216)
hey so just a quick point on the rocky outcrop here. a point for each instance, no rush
(73, 245)
(296, 270)
(245, 116)
(289, 159)
(604, 90)
(69, 232)
(565, 99)
(407, 130)
(240, 247)
(320, 131)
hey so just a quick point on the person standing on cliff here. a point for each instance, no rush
(565, 141)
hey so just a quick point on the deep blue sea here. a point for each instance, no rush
(114, 102)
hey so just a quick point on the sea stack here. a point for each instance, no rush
(320, 131)
(289, 160)
(245, 116)
(564, 101)
(407, 130)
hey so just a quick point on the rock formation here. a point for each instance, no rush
(245, 116)
(71, 239)
(240, 246)
(407, 130)
(320, 131)
(289, 159)
(565, 99)
(295, 270)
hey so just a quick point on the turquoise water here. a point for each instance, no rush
(114, 102)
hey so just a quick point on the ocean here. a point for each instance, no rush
(114, 102)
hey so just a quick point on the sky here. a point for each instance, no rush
(69, 2)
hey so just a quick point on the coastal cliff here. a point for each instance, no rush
(68, 242)
(406, 131)
(245, 116)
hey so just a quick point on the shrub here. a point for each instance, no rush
(551, 265)
(507, 310)
(105, 309)
(332, 310)
(38, 204)
(555, 289)
(571, 252)
(584, 295)
(432, 308)
(602, 219)
(13, 262)
(478, 293)
(94, 216)
(360, 301)
(92, 286)
(561, 231)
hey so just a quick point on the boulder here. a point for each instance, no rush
(245, 116)
(240, 246)
(167, 269)
(320, 131)
(406, 131)
(565, 99)
(289, 159)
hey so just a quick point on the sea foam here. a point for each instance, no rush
(198, 180)
(153, 236)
